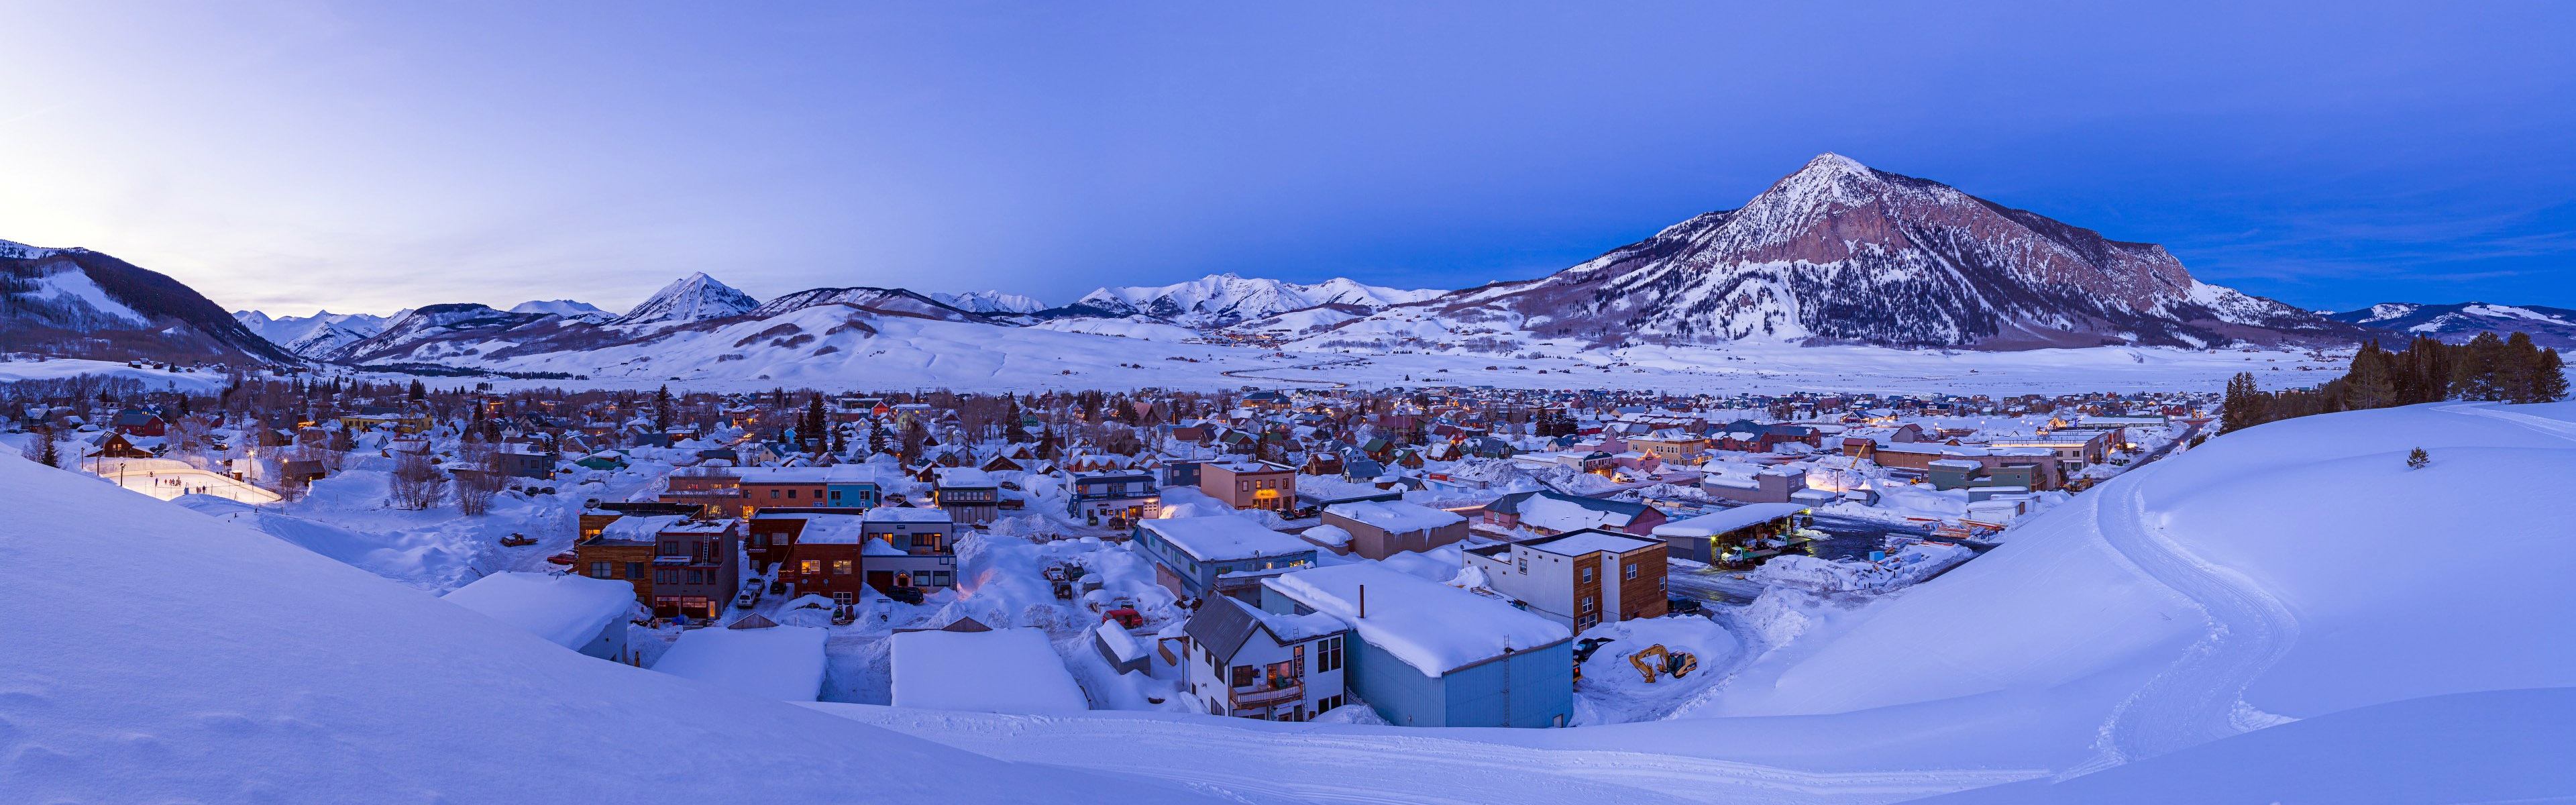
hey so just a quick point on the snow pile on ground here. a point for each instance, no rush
(784, 663)
(153, 379)
(1908, 565)
(1000, 671)
(420, 559)
(2288, 570)
(565, 610)
(355, 687)
(1136, 327)
(1614, 691)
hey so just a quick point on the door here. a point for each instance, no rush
(881, 579)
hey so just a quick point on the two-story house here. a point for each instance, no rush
(908, 547)
(1254, 664)
(969, 495)
(1223, 555)
(1250, 484)
(1430, 655)
(696, 567)
(827, 557)
(1114, 498)
(1579, 578)
(1379, 529)
(1543, 512)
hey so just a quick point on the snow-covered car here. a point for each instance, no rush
(750, 594)
(908, 595)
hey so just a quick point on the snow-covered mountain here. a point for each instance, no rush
(1218, 300)
(1840, 253)
(318, 335)
(990, 302)
(564, 307)
(2457, 323)
(77, 302)
(882, 300)
(696, 297)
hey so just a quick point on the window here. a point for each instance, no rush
(791, 493)
(1632, 570)
(1523, 560)
(636, 570)
(773, 493)
(666, 577)
(1328, 655)
(842, 567)
(1244, 675)
(845, 598)
(697, 576)
(1587, 603)
(670, 547)
(809, 566)
(836, 494)
(600, 570)
(939, 578)
(1587, 575)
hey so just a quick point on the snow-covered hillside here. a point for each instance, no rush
(77, 302)
(1218, 300)
(317, 335)
(232, 666)
(562, 307)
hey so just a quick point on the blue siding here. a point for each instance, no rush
(1400, 694)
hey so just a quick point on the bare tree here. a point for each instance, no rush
(476, 482)
(416, 483)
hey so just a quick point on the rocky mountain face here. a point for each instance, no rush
(2457, 323)
(696, 297)
(896, 301)
(317, 335)
(81, 303)
(1841, 253)
(563, 307)
(1220, 300)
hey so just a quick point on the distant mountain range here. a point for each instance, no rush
(2548, 326)
(1834, 253)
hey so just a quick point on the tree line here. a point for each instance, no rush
(2487, 368)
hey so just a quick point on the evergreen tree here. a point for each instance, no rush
(876, 438)
(2519, 372)
(2417, 459)
(2548, 377)
(2370, 384)
(2478, 375)
(2246, 405)
(662, 408)
(813, 427)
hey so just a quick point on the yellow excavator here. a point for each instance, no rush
(1676, 664)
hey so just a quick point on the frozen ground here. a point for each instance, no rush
(153, 379)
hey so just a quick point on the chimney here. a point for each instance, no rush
(1363, 600)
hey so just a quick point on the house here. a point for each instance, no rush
(981, 670)
(826, 557)
(1250, 484)
(523, 460)
(583, 614)
(1579, 578)
(1770, 485)
(1181, 472)
(138, 422)
(840, 486)
(969, 495)
(696, 567)
(1432, 655)
(1544, 512)
(1381, 529)
(1117, 497)
(779, 663)
(1254, 664)
(715, 490)
(909, 547)
(1730, 535)
(1196, 557)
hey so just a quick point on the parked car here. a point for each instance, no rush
(909, 595)
(750, 594)
(564, 558)
(1683, 606)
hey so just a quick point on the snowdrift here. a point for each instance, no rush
(220, 664)
(2286, 571)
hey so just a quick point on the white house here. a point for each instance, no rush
(576, 612)
(1255, 664)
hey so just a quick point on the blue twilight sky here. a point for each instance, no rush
(365, 157)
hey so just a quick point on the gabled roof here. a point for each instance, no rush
(1224, 624)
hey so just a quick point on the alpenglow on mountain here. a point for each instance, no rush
(696, 297)
(1840, 253)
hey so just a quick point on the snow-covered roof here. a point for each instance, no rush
(903, 514)
(1395, 516)
(639, 528)
(964, 476)
(783, 662)
(831, 529)
(566, 610)
(1431, 626)
(1328, 535)
(998, 671)
(1224, 536)
(1585, 542)
(1710, 525)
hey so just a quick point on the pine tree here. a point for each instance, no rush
(2369, 384)
(662, 408)
(2519, 372)
(2246, 405)
(2549, 377)
(2417, 459)
(2479, 373)
(876, 438)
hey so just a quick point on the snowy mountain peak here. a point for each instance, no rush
(13, 250)
(561, 307)
(696, 297)
(1218, 300)
(990, 302)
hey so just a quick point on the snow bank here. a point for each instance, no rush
(783, 663)
(1000, 671)
(359, 688)
(565, 610)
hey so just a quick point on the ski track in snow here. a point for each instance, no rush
(2200, 698)
(2560, 429)
(1264, 767)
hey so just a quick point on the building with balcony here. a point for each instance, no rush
(1114, 498)
(908, 547)
(1224, 555)
(1254, 664)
